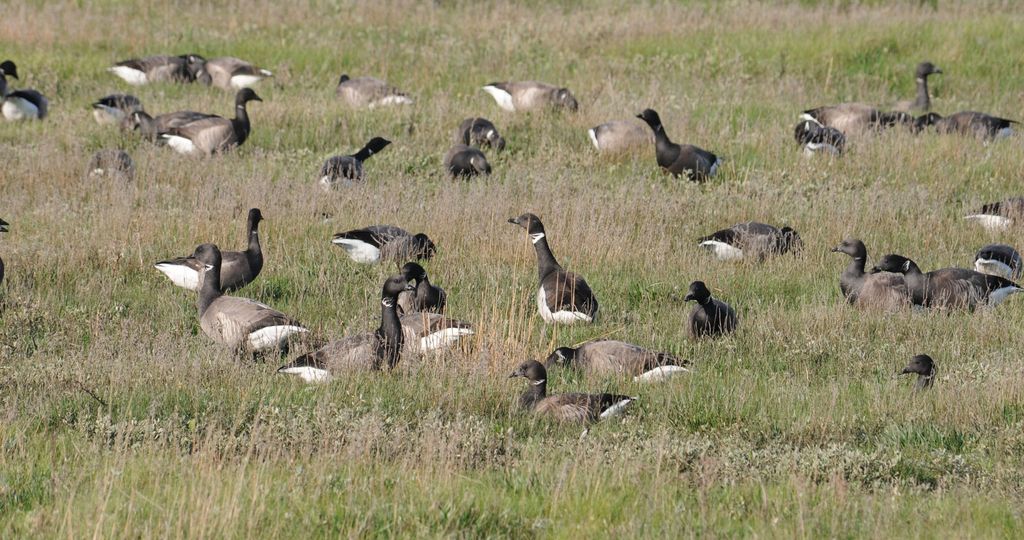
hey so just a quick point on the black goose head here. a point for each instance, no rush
(255, 216)
(244, 96)
(4, 226)
(394, 286)
(532, 371)
(424, 246)
(564, 98)
(480, 164)
(377, 144)
(699, 292)
(893, 263)
(791, 241)
(413, 272)
(651, 117)
(923, 366)
(890, 119)
(560, 356)
(208, 254)
(531, 223)
(806, 132)
(8, 69)
(194, 65)
(924, 69)
(852, 247)
(925, 120)
(344, 77)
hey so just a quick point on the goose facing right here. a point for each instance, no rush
(881, 290)
(479, 132)
(577, 408)
(425, 332)
(110, 163)
(376, 242)
(998, 260)
(949, 288)
(346, 170)
(710, 317)
(970, 124)
(520, 96)
(563, 297)
(369, 92)
(751, 239)
(999, 215)
(679, 159)
(150, 69)
(613, 357)
(19, 104)
(425, 296)
(923, 101)
(238, 268)
(214, 134)
(115, 109)
(230, 73)
(463, 161)
(923, 366)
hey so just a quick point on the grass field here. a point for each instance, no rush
(119, 418)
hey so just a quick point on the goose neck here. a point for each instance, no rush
(211, 288)
(546, 262)
(389, 333)
(534, 393)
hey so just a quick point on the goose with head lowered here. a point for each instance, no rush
(230, 73)
(346, 170)
(520, 96)
(815, 138)
(751, 239)
(620, 136)
(363, 352)
(576, 408)
(604, 357)
(710, 317)
(425, 332)
(376, 242)
(949, 288)
(998, 260)
(151, 127)
(881, 290)
(238, 268)
(238, 323)
(479, 132)
(110, 163)
(115, 109)
(679, 159)
(19, 104)
(563, 297)
(4, 227)
(150, 69)
(923, 101)
(969, 124)
(369, 92)
(425, 296)
(923, 366)
(213, 134)
(463, 161)
(999, 215)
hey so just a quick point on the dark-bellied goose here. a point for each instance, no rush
(4, 227)
(968, 123)
(425, 332)
(19, 104)
(577, 408)
(111, 163)
(369, 92)
(563, 297)
(882, 290)
(115, 109)
(238, 323)
(949, 288)
(238, 268)
(463, 161)
(620, 136)
(152, 127)
(376, 242)
(854, 117)
(140, 71)
(814, 138)
(230, 73)
(1000, 215)
(425, 297)
(530, 95)
(710, 317)
(612, 357)
(213, 134)
(923, 366)
(998, 260)
(679, 159)
(345, 170)
(923, 101)
(479, 132)
(362, 352)
(751, 240)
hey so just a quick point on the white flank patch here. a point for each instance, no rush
(714, 167)
(616, 409)
(558, 317)
(308, 373)
(132, 76)
(1003, 133)
(812, 148)
(503, 98)
(180, 145)
(993, 267)
(272, 335)
(181, 275)
(105, 115)
(391, 100)
(804, 117)
(360, 251)
(16, 108)
(660, 373)
(239, 82)
(998, 295)
(593, 138)
(443, 339)
(990, 222)
(723, 251)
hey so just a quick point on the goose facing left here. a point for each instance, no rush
(369, 92)
(577, 408)
(19, 104)
(213, 134)
(238, 268)
(923, 366)
(710, 317)
(4, 227)
(345, 170)
(679, 159)
(425, 296)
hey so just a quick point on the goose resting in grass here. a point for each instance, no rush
(949, 288)
(425, 332)
(1000, 215)
(479, 132)
(213, 134)
(998, 260)
(230, 73)
(751, 240)
(425, 297)
(19, 104)
(238, 268)
(923, 366)
(111, 163)
(604, 357)
(346, 170)
(520, 96)
(140, 71)
(883, 290)
(376, 242)
(620, 136)
(115, 109)
(369, 92)
(577, 408)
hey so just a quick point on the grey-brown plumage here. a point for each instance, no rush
(923, 366)
(679, 159)
(425, 332)
(238, 268)
(620, 136)
(479, 132)
(882, 290)
(922, 101)
(463, 161)
(345, 170)
(968, 123)
(151, 127)
(710, 317)
(230, 73)
(854, 117)
(577, 408)
(611, 357)
(387, 242)
(425, 296)
(998, 260)
(19, 104)
(150, 69)
(116, 110)
(949, 288)
(213, 134)
(369, 92)
(111, 163)
(4, 227)
(751, 240)
(520, 96)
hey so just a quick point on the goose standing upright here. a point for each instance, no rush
(349, 169)
(679, 159)
(563, 297)
(949, 288)
(213, 134)
(238, 268)
(923, 101)
(710, 317)
(19, 104)
(4, 227)
(882, 290)
(578, 408)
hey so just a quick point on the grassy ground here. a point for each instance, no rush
(119, 418)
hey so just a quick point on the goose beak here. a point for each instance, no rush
(516, 373)
(688, 298)
(835, 249)
(514, 221)
(937, 70)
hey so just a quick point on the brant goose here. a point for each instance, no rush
(620, 136)
(115, 109)
(369, 92)
(998, 260)
(425, 297)
(4, 227)
(563, 297)
(19, 104)
(348, 169)
(152, 127)
(465, 161)
(949, 288)
(530, 95)
(230, 73)
(678, 159)
(998, 216)
(924, 367)
(610, 357)
(425, 332)
(565, 407)
(751, 239)
(814, 137)
(710, 317)
(923, 101)
(376, 242)
(238, 268)
(213, 134)
(479, 132)
(112, 164)
(968, 123)
(140, 71)
(847, 117)
(238, 323)
(362, 352)
(882, 290)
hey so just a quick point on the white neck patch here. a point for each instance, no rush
(538, 383)
(386, 302)
(536, 237)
